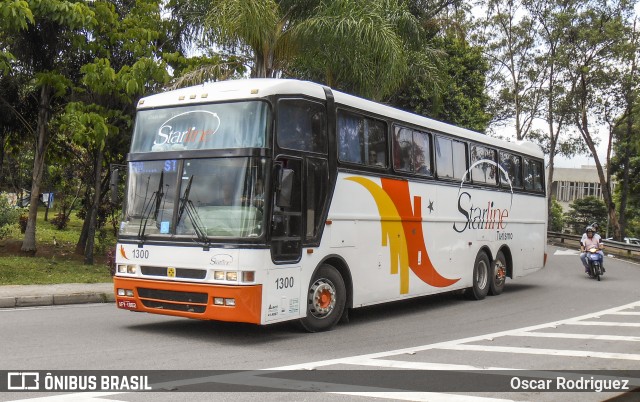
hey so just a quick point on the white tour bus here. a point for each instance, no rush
(267, 200)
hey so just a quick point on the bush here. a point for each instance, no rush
(8, 216)
(60, 221)
(583, 212)
(23, 220)
(557, 219)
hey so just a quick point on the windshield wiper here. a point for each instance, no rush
(198, 227)
(147, 209)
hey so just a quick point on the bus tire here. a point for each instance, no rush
(326, 299)
(481, 269)
(498, 274)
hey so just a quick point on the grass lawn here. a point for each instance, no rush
(55, 260)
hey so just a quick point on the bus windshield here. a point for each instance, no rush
(207, 126)
(211, 198)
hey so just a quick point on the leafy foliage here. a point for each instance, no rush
(8, 215)
(583, 212)
(557, 218)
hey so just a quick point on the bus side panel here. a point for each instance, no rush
(404, 239)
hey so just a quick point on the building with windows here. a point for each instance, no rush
(570, 184)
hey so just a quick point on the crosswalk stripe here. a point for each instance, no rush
(577, 336)
(606, 324)
(548, 352)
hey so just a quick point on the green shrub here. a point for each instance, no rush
(8, 216)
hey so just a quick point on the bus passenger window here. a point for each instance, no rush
(512, 164)
(533, 175)
(350, 138)
(451, 158)
(483, 162)
(361, 140)
(421, 153)
(402, 143)
(302, 125)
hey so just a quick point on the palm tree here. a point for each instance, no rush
(359, 45)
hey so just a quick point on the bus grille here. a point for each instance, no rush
(173, 296)
(172, 306)
(186, 273)
(191, 302)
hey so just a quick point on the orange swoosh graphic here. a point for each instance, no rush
(398, 190)
(402, 226)
(122, 253)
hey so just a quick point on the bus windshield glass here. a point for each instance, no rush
(208, 126)
(214, 198)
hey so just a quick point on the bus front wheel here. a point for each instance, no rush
(326, 299)
(481, 278)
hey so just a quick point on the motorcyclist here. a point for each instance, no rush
(590, 240)
(594, 225)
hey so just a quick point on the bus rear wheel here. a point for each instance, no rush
(498, 274)
(326, 299)
(481, 269)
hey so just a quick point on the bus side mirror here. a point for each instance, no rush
(113, 185)
(284, 187)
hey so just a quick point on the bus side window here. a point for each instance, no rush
(451, 158)
(512, 164)
(402, 144)
(421, 153)
(302, 125)
(533, 180)
(361, 140)
(483, 170)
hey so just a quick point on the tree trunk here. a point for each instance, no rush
(44, 114)
(82, 240)
(91, 234)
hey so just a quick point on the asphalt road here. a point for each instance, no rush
(442, 330)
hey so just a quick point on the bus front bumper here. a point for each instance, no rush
(191, 300)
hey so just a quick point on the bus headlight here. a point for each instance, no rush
(125, 292)
(218, 275)
(127, 268)
(232, 276)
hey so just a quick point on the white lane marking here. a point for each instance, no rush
(627, 313)
(415, 349)
(548, 352)
(423, 396)
(578, 336)
(605, 324)
(566, 252)
(79, 397)
(422, 365)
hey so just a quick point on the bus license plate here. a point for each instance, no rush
(128, 304)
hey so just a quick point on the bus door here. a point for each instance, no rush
(300, 177)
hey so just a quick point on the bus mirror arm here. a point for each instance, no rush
(284, 187)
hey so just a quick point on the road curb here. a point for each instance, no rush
(56, 299)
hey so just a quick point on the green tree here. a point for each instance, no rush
(591, 54)
(585, 211)
(458, 95)
(557, 218)
(126, 59)
(355, 45)
(44, 36)
(509, 35)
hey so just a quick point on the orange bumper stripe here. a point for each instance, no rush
(190, 300)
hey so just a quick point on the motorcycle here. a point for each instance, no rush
(595, 263)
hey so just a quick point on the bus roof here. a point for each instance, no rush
(257, 88)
